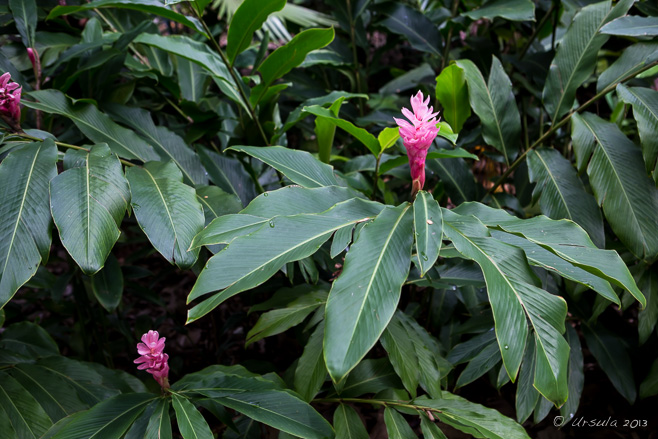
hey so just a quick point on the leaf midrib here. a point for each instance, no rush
(554, 181)
(166, 206)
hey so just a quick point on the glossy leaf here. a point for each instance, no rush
(494, 104)
(299, 166)
(364, 297)
(348, 424)
(24, 214)
(88, 203)
(247, 19)
(515, 10)
(396, 426)
(645, 112)
(190, 422)
(415, 26)
(452, 93)
(632, 26)
(576, 55)
(167, 210)
(428, 228)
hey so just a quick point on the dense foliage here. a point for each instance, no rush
(230, 174)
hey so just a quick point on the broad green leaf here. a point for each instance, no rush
(247, 19)
(632, 60)
(251, 259)
(348, 424)
(94, 124)
(88, 203)
(576, 376)
(364, 297)
(562, 194)
(216, 202)
(110, 418)
(294, 200)
(393, 163)
(387, 137)
(26, 416)
(645, 112)
(226, 228)
(190, 422)
(24, 13)
(428, 228)
(456, 176)
(107, 284)
(168, 145)
(648, 317)
(649, 386)
(452, 93)
(147, 6)
(611, 353)
(396, 426)
(632, 26)
(167, 210)
(401, 353)
(28, 339)
(280, 320)
(311, 372)
(494, 104)
(414, 26)
(576, 55)
(325, 132)
(445, 131)
(24, 214)
(229, 174)
(628, 197)
(360, 134)
(289, 56)
(430, 430)
(481, 363)
(192, 79)
(513, 10)
(299, 166)
(370, 376)
(526, 395)
(473, 418)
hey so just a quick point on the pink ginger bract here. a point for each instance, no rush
(10, 101)
(418, 136)
(153, 358)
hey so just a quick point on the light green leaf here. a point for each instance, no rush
(452, 93)
(632, 26)
(428, 227)
(24, 214)
(107, 284)
(396, 426)
(190, 422)
(167, 210)
(513, 10)
(348, 424)
(247, 19)
(299, 166)
(364, 297)
(311, 372)
(94, 124)
(387, 137)
(88, 203)
(576, 55)
(360, 134)
(494, 104)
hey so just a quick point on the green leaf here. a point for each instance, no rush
(224, 229)
(280, 320)
(456, 176)
(473, 418)
(494, 104)
(576, 55)
(88, 203)
(24, 13)
(446, 132)
(364, 297)
(94, 124)
(396, 426)
(632, 26)
(294, 200)
(147, 6)
(28, 339)
(216, 202)
(610, 352)
(631, 61)
(26, 415)
(402, 355)
(247, 19)
(452, 93)
(360, 134)
(190, 422)
(299, 166)
(430, 429)
(107, 284)
(325, 132)
(648, 317)
(370, 376)
(514, 10)
(348, 424)
(289, 56)
(645, 112)
(192, 80)
(562, 194)
(24, 214)
(415, 26)
(481, 363)
(228, 173)
(167, 210)
(576, 373)
(428, 227)
(110, 418)
(168, 145)
(387, 137)
(311, 372)
(649, 386)
(526, 395)
(629, 198)
(251, 259)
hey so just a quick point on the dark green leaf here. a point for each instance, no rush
(632, 60)
(415, 26)
(428, 227)
(229, 174)
(348, 424)
(576, 376)
(190, 422)
(311, 371)
(27, 417)
(632, 26)
(25, 17)
(396, 426)
(514, 10)
(107, 284)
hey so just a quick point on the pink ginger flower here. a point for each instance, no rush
(418, 136)
(31, 54)
(153, 358)
(10, 102)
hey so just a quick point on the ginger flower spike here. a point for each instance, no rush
(153, 358)
(10, 102)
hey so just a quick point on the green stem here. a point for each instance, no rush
(384, 403)
(562, 122)
(537, 29)
(238, 81)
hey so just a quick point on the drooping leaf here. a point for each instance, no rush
(107, 284)
(494, 104)
(514, 10)
(348, 424)
(364, 297)
(632, 26)
(360, 134)
(576, 55)
(413, 25)
(452, 93)
(428, 228)
(576, 377)
(167, 210)
(229, 174)
(24, 214)
(396, 426)
(526, 395)
(190, 422)
(311, 371)
(247, 19)
(94, 124)
(632, 60)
